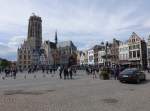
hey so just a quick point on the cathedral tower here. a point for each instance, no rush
(35, 31)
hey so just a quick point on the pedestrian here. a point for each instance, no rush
(47, 69)
(14, 73)
(65, 72)
(148, 69)
(87, 71)
(7, 72)
(70, 72)
(116, 73)
(25, 76)
(60, 72)
(50, 70)
(93, 73)
(29, 71)
(74, 70)
(43, 69)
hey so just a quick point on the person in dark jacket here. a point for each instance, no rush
(14, 73)
(65, 72)
(117, 73)
(70, 72)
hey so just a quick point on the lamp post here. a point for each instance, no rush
(106, 51)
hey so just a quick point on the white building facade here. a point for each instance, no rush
(137, 51)
(148, 52)
(91, 57)
(124, 52)
(82, 58)
(101, 60)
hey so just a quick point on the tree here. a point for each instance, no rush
(4, 63)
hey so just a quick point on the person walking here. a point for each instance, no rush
(14, 73)
(47, 69)
(70, 72)
(116, 73)
(60, 72)
(93, 73)
(65, 72)
(87, 71)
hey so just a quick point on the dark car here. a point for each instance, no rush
(132, 75)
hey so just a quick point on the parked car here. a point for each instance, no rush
(132, 75)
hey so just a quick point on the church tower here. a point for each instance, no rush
(35, 31)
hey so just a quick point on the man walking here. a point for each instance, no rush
(70, 72)
(116, 73)
(60, 72)
(65, 72)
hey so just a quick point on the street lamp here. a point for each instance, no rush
(106, 51)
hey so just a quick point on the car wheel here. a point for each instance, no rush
(120, 81)
(144, 78)
(137, 80)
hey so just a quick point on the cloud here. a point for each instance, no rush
(16, 41)
(85, 22)
(9, 50)
(146, 24)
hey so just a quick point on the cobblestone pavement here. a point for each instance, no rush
(81, 94)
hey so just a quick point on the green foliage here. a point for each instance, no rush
(4, 63)
(105, 74)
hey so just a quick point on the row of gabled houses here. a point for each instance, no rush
(33, 52)
(134, 52)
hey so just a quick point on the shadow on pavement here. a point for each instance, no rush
(145, 82)
(141, 83)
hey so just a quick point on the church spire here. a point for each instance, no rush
(56, 40)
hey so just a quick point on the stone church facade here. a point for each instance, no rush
(33, 53)
(29, 52)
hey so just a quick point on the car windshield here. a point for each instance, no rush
(129, 71)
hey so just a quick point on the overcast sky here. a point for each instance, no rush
(85, 22)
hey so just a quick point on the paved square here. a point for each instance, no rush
(81, 94)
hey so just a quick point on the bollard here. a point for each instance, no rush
(25, 77)
(34, 76)
(44, 75)
(3, 78)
